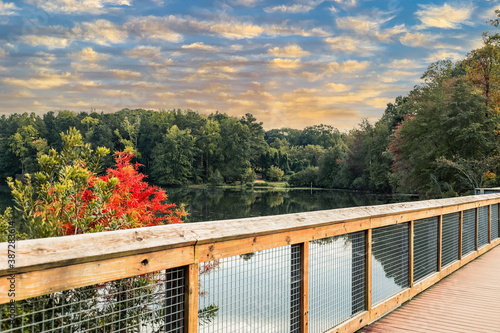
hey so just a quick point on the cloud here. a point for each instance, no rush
(285, 63)
(445, 16)
(141, 52)
(87, 60)
(43, 80)
(370, 26)
(401, 73)
(8, 9)
(50, 42)
(347, 3)
(40, 61)
(245, 3)
(199, 46)
(124, 74)
(295, 8)
(349, 66)
(290, 51)
(3, 53)
(419, 39)
(338, 87)
(443, 55)
(79, 6)
(172, 28)
(403, 64)
(346, 44)
(101, 32)
(89, 55)
(152, 27)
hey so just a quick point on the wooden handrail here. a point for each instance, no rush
(39, 254)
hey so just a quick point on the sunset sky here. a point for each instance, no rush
(289, 63)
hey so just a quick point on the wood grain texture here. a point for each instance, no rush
(52, 280)
(304, 287)
(192, 293)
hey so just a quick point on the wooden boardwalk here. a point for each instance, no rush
(466, 301)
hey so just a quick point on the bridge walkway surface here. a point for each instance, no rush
(466, 301)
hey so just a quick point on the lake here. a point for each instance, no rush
(212, 204)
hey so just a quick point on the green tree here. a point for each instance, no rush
(57, 197)
(448, 121)
(27, 144)
(275, 174)
(172, 157)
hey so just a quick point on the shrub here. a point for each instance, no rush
(274, 174)
(305, 177)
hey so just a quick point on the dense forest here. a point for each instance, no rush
(441, 139)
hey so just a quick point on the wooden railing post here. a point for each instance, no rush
(368, 273)
(411, 253)
(460, 233)
(192, 293)
(440, 243)
(304, 287)
(477, 229)
(489, 224)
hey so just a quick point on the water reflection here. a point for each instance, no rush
(210, 204)
(254, 292)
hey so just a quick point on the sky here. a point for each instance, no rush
(289, 63)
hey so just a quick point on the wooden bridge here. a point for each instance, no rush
(326, 271)
(466, 301)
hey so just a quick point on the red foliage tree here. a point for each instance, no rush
(135, 200)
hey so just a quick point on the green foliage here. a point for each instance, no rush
(449, 122)
(216, 178)
(274, 174)
(172, 158)
(305, 178)
(5, 220)
(53, 198)
(249, 176)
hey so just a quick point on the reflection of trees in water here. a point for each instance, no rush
(208, 204)
(275, 199)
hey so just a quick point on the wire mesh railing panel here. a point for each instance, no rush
(469, 232)
(425, 247)
(254, 292)
(148, 303)
(482, 237)
(389, 261)
(494, 222)
(336, 280)
(451, 234)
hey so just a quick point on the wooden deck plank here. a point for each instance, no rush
(466, 301)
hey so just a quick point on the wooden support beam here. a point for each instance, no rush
(304, 287)
(477, 229)
(191, 299)
(368, 272)
(460, 234)
(411, 253)
(489, 224)
(440, 243)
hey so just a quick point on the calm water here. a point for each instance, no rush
(211, 204)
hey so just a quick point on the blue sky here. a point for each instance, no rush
(290, 63)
